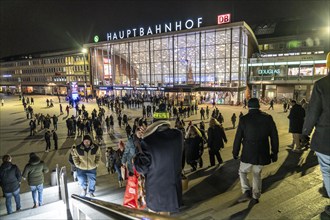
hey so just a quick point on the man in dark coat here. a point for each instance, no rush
(159, 160)
(318, 116)
(34, 174)
(55, 138)
(47, 139)
(216, 137)
(253, 132)
(296, 118)
(10, 181)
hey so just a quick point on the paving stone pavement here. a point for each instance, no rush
(290, 186)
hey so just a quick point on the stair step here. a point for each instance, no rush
(54, 210)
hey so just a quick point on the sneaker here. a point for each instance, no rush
(327, 210)
(83, 192)
(35, 206)
(253, 202)
(46, 151)
(245, 197)
(91, 194)
(18, 210)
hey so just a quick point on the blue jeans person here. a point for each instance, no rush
(34, 189)
(324, 161)
(17, 200)
(87, 178)
(118, 171)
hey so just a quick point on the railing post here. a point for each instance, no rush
(64, 192)
(58, 181)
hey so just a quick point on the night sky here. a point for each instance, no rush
(28, 26)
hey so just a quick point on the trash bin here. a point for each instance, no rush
(53, 178)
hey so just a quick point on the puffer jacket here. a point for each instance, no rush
(34, 171)
(10, 177)
(86, 158)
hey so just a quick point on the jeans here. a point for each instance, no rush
(34, 190)
(17, 200)
(118, 171)
(85, 177)
(244, 169)
(324, 161)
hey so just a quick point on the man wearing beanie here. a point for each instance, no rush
(253, 132)
(86, 157)
(318, 116)
(159, 160)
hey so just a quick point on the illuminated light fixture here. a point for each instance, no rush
(306, 62)
(294, 63)
(320, 61)
(96, 38)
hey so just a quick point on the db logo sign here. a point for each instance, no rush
(222, 19)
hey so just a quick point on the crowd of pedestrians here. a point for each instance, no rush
(159, 152)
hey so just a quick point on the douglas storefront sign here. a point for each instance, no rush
(269, 72)
(156, 29)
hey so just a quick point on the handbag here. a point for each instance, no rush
(134, 196)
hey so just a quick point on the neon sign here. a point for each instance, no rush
(157, 29)
(223, 19)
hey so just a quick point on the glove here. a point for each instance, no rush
(304, 139)
(273, 157)
(235, 157)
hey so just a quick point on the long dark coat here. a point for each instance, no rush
(216, 137)
(253, 131)
(193, 147)
(318, 115)
(296, 117)
(160, 162)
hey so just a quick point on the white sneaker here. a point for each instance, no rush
(83, 192)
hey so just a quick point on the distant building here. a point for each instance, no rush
(292, 57)
(45, 73)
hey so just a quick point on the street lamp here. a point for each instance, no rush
(84, 51)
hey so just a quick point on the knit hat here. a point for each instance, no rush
(87, 137)
(253, 103)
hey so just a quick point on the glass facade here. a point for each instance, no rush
(213, 58)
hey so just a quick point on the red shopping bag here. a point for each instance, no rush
(134, 193)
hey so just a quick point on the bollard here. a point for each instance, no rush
(53, 178)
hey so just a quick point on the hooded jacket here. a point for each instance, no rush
(160, 162)
(10, 177)
(34, 171)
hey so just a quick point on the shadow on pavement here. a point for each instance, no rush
(219, 182)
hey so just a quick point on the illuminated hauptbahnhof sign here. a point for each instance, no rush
(157, 29)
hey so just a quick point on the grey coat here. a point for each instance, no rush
(318, 116)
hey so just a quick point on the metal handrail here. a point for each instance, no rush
(119, 210)
(63, 190)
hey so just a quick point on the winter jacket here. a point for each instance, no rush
(10, 177)
(86, 158)
(216, 137)
(318, 116)
(34, 171)
(160, 162)
(193, 148)
(253, 131)
(296, 117)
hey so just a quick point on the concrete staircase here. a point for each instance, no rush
(290, 191)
